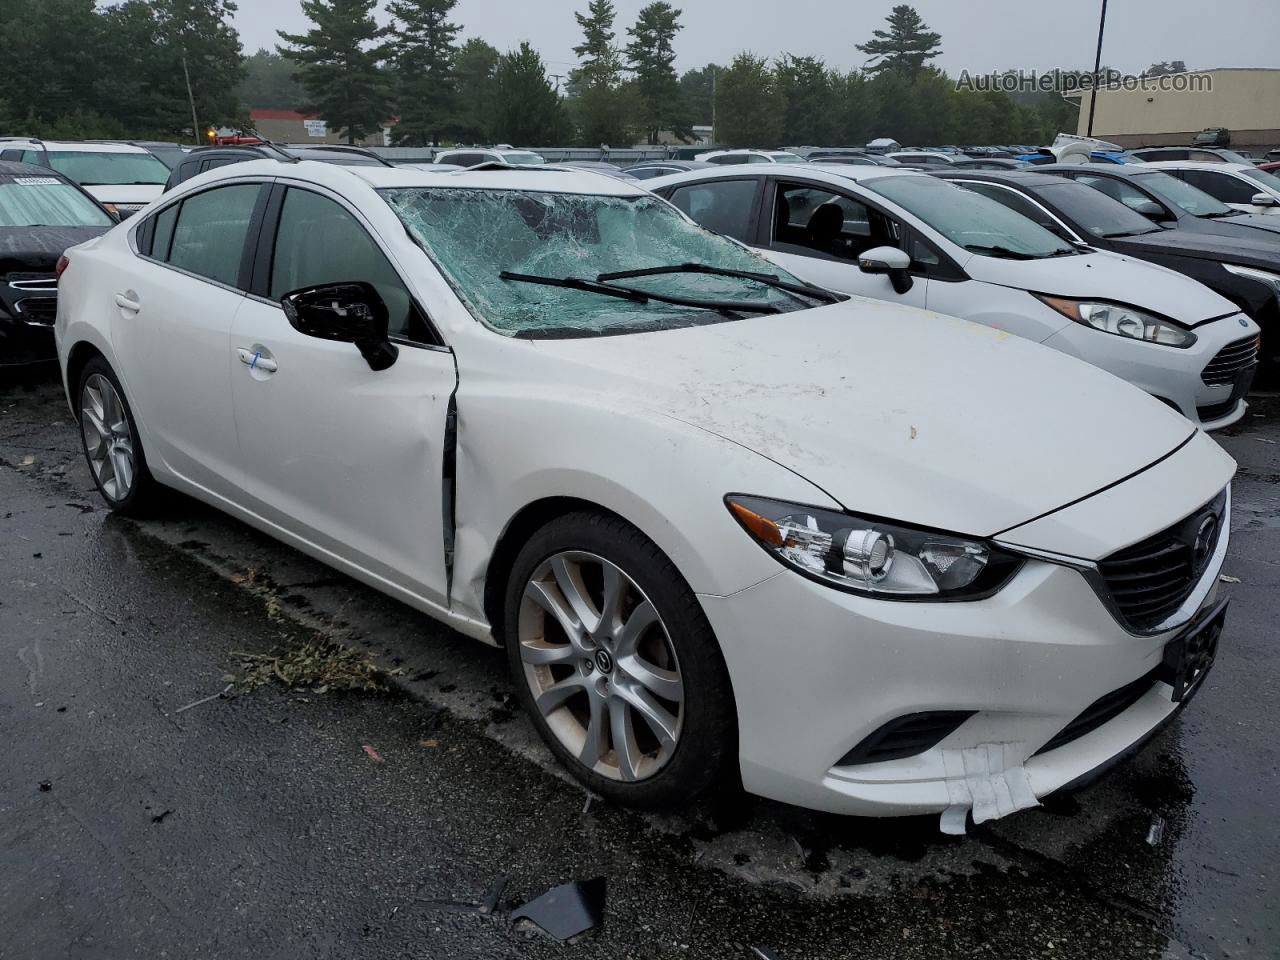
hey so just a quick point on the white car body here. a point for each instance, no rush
(124, 199)
(471, 157)
(730, 157)
(922, 158)
(892, 411)
(999, 293)
(1238, 185)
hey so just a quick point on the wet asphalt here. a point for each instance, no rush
(257, 825)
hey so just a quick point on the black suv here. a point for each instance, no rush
(207, 158)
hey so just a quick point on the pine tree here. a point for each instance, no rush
(906, 45)
(749, 106)
(475, 72)
(602, 105)
(651, 56)
(527, 109)
(600, 59)
(201, 44)
(339, 62)
(424, 49)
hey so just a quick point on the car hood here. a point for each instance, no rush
(1252, 221)
(1106, 276)
(1260, 252)
(37, 249)
(892, 411)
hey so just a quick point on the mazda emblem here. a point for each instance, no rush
(1206, 539)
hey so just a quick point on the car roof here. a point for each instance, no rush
(79, 146)
(1022, 178)
(1117, 170)
(14, 168)
(532, 178)
(1199, 165)
(833, 173)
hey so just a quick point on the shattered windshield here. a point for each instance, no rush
(476, 235)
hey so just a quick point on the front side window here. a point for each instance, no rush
(1095, 214)
(319, 241)
(813, 219)
(92, 169)
(1126, 193)
(971, 220)
(1191, 199)
(1222, 186)
(211, 230)
(47, 202)
(476, 236)
(724, 206)
(1264, 177)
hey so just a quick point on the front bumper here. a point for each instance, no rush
(23, 342)
(1171, 374)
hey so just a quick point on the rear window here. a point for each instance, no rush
(91, 169)
(37, 201)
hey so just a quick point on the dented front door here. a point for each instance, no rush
(348, 458)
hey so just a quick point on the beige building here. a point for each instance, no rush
(1245, 101)
(286, 126)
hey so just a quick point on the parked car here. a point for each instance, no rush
(748, 156)
(1171, 202)
(553, 413)
(122, 177)
(1270, 167)
(597, 166)
(203, 159)
(906, 237)
(1212, 137)
(861, 160)
(648, 169)
(1241, 186)
(1085, 217)
(474, 156)
(990, 163)
(916, 158)
(1194, 154)
(42, 213)
(167, 152)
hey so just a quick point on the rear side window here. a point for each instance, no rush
(1225, 187)
(725, 206)
(319, 241)
(162, 232)
(210, 233)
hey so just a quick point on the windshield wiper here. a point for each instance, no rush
(1005, 253)
(768, 279)
(1129, 233)
(639, 296)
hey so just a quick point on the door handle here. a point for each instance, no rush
(254, 360)
(128, 301)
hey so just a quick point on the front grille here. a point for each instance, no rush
(1149, 580)
(1103, 710)
(39, 310)
(1231, 359)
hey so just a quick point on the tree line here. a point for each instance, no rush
(75, 68)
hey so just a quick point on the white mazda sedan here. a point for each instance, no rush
(726, 525)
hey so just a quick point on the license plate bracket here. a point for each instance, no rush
(1188, 657)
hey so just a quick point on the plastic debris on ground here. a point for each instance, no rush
(567, 910)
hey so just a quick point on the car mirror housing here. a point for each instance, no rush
(889, 261)
(1150, 209)
(1264, 200)
(351, 312)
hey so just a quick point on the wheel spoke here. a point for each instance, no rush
(625, 750)
(569, 580)
(615, 590)
(539, 653)
(113, 411)
(664, 683)
(659, 719)
(554, 697)
(596, 744)
(123, 466)
(642, 617)
(549, 599)
(94, 419)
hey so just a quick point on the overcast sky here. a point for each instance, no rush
(978, 36)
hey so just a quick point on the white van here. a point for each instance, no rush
(124, 178)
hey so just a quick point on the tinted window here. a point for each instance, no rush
(210, 234)
(1093, 213)
(724, 207)
(1120, 190)
(162, 236)
(1162, 154)
(1196, 202)
(1223, 186)
(648, 173)
(731, 158)
(318, 241)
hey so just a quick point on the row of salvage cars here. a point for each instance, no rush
(796, 480)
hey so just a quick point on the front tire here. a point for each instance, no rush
(112, 446)
(616, 663)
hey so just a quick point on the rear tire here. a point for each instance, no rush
(616, 664)
(112, 446)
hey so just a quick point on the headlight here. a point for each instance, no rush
(863, 555)
(1270, 279)
(1122, 321)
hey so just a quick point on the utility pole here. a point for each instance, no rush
(714, 141)
(557, 77)
(195, 125)
(1097, 68)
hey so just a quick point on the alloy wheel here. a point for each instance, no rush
(601, 666)
(108, 441)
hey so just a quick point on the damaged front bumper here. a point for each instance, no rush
(1049, 686)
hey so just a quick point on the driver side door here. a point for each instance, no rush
(348, 461)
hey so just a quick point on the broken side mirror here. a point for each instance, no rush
(889, 261)
(351, 312)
